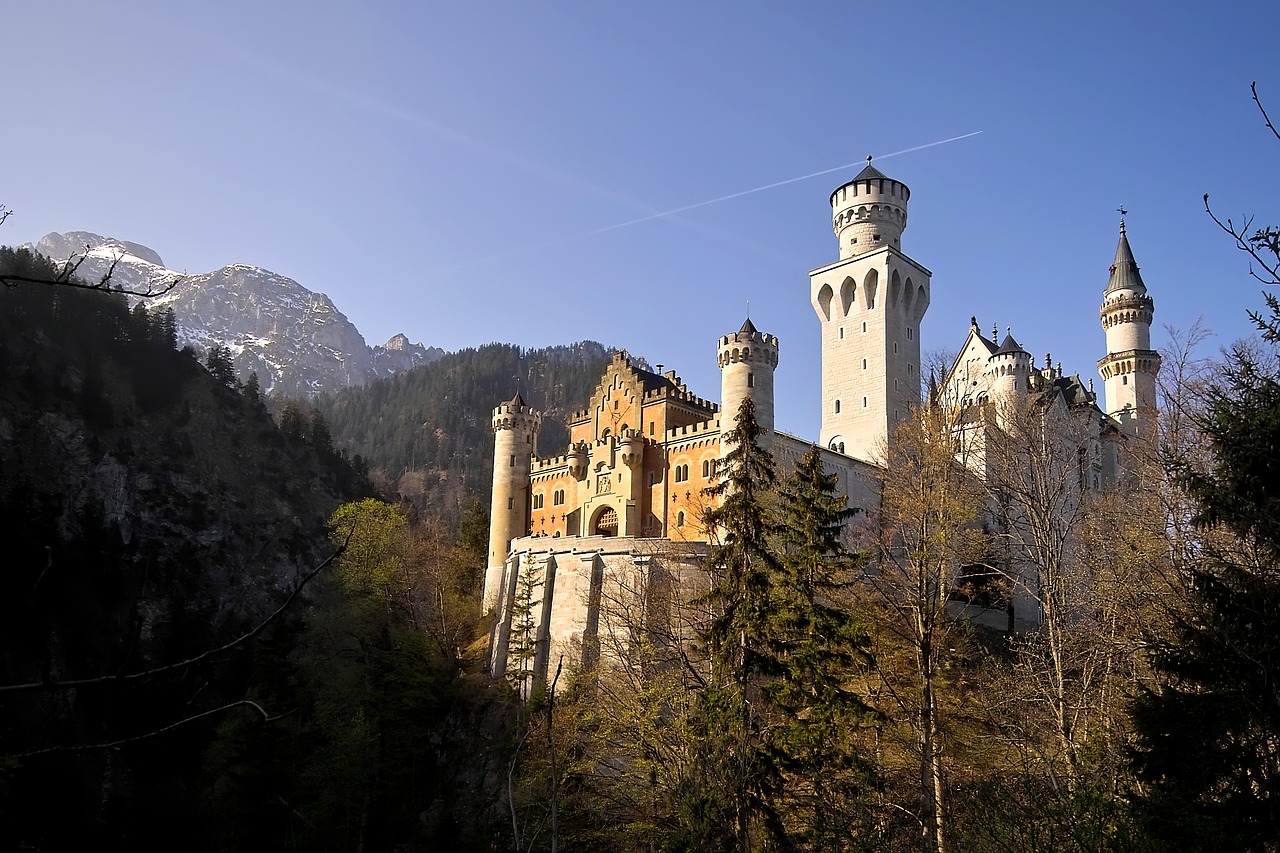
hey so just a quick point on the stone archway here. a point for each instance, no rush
(605, 522)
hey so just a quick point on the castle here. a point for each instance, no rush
(621, 506)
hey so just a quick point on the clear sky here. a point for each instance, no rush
(452, 170)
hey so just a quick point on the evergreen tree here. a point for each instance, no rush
(1207, 732)
(219, 364)
(732, 802)
(819, 643)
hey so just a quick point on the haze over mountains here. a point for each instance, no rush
(296, 340)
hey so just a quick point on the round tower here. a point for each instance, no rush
(869, 212)
(515, 430)
(747, 358)
(1008, 373)
(1130, 366)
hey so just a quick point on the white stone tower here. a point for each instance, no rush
(1008, 373)
(1130, 366)
(515, 429)
(747, 358)
(869, 305)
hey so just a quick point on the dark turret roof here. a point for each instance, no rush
(1124, 271)
(870, 173)
(1009, 346)
(749, 327)
(517, 401)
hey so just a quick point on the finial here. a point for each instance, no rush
(973, 323)
(748, 309)
(868, 159)
(1122, 212)
(995, 331)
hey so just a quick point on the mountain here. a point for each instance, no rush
(296, 340)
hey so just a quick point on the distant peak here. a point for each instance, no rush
(72, 243)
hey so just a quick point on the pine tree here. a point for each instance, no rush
(819, 643)
(1207, 732)
(734, 798)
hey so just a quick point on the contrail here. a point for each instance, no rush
(686, 208)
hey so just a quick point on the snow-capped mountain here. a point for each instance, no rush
(296, 340)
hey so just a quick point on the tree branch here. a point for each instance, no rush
(266, 718)
(189, 662)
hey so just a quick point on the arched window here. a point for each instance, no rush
(680, 519)
(837, 407)
(706, 468)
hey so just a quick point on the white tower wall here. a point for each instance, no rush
(869, 306)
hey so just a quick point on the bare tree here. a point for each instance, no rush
(927, 527)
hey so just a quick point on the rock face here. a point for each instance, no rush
(296, 340)
(398, 355)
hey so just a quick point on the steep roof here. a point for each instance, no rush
(749, 327)
(1009, 346)
(1124, 271)
(517, 401)
(870, 172)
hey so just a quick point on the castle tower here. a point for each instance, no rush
(747, 359)
(1130, 366)
(515, 430)
(869, 305)
(1008, 373)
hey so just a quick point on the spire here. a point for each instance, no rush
(748, 327)
(1124, 271)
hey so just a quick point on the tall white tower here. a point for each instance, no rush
(1130, 366)
(747, 359)
(869, 305)
(515, 433)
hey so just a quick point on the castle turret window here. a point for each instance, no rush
(836, 407)
(751, 380)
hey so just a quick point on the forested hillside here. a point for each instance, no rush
(154, 511)
(427, 433)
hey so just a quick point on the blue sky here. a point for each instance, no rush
(446, 170)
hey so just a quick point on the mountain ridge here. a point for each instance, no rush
(295, 339)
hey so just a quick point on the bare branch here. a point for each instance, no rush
(189, 662)
(1253, 87)
(266, 718)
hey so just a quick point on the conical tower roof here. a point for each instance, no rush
(870, 173)
(1124, 271)
(517, 401)
(749, 327)
(1009, 346)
